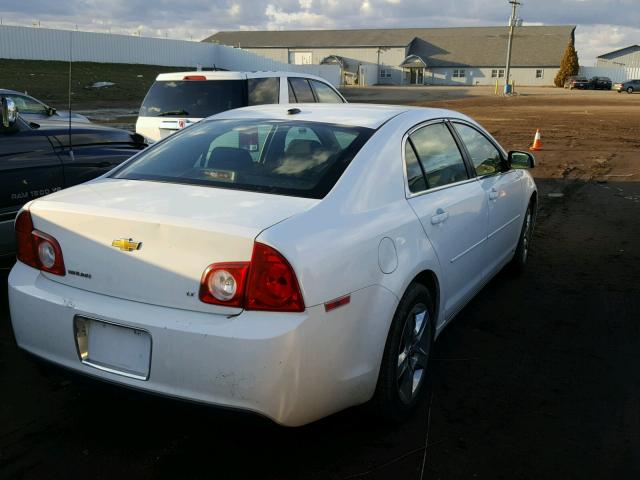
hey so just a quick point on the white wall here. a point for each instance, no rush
(26, 43)
(615, 74)
(238, 59)
(355, 56)
(482, 76)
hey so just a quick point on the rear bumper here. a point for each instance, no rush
(293, 368)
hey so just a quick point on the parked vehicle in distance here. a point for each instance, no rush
(32, 109)
(577, 81)
(600, 83)
(35, 160)
(177, 100)
(629, 86)
(289, 260)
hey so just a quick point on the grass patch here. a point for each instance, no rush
(48, 81)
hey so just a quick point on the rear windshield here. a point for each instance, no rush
(193, 98)
(296, 158)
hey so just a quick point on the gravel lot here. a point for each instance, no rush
(539, 377)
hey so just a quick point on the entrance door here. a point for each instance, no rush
(303, 58)
(416, 76)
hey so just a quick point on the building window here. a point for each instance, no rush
(385, 73)
(539, 73)
(459, 73)
(497, 73)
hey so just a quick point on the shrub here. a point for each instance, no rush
(568, 66)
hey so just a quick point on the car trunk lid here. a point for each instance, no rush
(151, 242)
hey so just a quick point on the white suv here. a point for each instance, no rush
(176, 100)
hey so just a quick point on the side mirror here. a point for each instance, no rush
(521, 160)
(9, 113)
(51, 111)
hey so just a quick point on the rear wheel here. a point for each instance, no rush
(403, 371)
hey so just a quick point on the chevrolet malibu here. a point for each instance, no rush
(286, 260)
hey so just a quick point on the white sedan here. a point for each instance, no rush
(287, 260)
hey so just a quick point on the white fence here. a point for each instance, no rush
(26, 43)
(615, 74)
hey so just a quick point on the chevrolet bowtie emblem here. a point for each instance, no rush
(126, 244)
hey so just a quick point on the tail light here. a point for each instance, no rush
(268, 283)
(37, 249)
(272, 283)
(194, 77)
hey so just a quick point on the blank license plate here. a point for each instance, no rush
(113, 348)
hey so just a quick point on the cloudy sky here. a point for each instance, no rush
(603, 25)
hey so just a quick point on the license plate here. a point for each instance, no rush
(113, 348)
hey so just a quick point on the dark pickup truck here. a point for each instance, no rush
(36, 159)
(600, 83)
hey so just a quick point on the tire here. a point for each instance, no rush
(406, 356)
(630, 90)
(521, 255)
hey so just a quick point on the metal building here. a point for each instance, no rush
(628, 57)
(445, 56)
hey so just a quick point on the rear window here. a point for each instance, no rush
(296, 158)
(193, 98)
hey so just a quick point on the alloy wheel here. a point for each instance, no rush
(526, 237)
(413, 354)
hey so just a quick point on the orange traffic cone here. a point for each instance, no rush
(537, 143)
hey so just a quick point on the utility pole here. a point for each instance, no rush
(512, 24)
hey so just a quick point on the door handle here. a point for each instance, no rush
(439, 217)
(493, 194)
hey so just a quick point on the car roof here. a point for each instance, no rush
(11, 92)
(351, 114)
(226, 75)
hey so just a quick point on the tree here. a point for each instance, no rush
(568, 66)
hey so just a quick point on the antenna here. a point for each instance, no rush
(70, 62)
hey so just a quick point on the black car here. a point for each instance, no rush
(600, 83)
(36, 159)
(576, 81)
(33, 110)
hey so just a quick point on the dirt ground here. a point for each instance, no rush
(537, 378)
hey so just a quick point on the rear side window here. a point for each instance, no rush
(263, 90)
(28, 105)
(325, 93)
(484, 155)
(295, 158)
(439, 155)
(301, 90)
(193, 98)
(415, 175)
